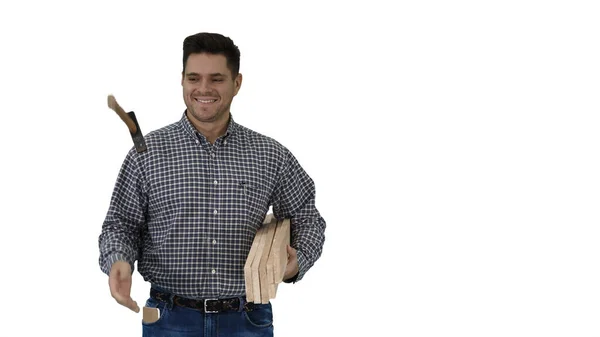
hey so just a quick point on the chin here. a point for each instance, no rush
(205, 117)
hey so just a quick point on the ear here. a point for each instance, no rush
(182, 77)
(237, 84)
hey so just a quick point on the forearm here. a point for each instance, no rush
(295, 199)
(118, 241)
(121, 230)
(308, 237)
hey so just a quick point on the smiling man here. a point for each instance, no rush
(188, 209)
(208, 89)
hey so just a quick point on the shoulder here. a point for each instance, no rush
(158, 142)
(164, 133)
(166, 139)
(262, 143)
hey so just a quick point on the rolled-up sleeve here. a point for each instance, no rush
(121, 230)
(295, 200)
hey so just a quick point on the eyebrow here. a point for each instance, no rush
(211, 75)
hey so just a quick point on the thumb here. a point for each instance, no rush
(291, 251)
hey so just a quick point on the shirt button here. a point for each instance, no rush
(214, 242)
(225, 142)
(215, 211)
(212, 154)
(216, 182)
(213, 271)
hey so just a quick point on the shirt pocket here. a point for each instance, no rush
(255, 198)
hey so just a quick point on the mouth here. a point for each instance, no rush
(205, 100)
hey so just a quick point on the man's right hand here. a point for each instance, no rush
(119, 281)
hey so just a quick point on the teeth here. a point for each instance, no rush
(206, 101)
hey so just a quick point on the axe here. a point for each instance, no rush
(131, 122)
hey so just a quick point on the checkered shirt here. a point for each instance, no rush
(188, 211)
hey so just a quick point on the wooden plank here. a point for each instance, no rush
(248, 268)
(276, 251)
(260, 237)
(262, 268)
(250, 259)
(280, 243)
(281, 237)
(265, 266)
(272, 288)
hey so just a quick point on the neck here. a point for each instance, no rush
(211, 130)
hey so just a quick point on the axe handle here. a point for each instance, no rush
(112, 103)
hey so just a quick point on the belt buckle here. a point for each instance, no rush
(206, 310)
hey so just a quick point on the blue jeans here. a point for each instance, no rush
(176, 321)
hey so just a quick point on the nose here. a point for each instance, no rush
(204, 87)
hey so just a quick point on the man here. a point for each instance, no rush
(189, 207)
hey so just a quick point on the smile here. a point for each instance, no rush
(205, 101)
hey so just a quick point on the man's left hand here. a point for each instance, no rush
(292, 265)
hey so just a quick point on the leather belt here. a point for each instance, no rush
(206, 306)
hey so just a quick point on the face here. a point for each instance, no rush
(208, 87)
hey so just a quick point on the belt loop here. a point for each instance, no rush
(170, 301)
(242, 304)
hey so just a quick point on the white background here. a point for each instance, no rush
(454, 146)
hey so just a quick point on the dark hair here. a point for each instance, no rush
(213, 43)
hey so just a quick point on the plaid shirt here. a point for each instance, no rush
(188, 210)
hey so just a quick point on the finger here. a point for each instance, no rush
(291, 269)
(120, 298)
(131, 304)
(117, 291)
(127, 302)
(291, 251)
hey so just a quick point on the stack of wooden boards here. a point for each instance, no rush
(267, 260)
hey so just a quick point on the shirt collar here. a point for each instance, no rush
(232, 127)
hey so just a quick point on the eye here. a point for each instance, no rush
(218, 80)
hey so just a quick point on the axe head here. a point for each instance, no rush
(137, 136)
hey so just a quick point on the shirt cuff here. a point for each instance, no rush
(114, 258)
(301, 269)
